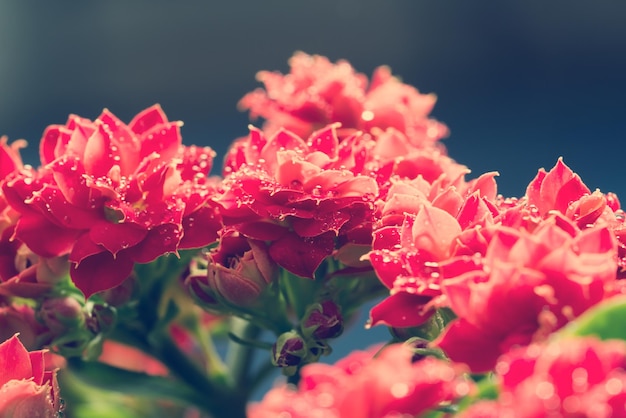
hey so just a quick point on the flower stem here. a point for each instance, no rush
(240, 356)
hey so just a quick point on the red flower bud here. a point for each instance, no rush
(62, 314)
(240, 269)
(289, 350)
(323, 320)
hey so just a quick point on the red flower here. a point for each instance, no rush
(317, 92)
(566, 378)
(390, 384)
(297, 194)
(110, 195)
(525, 287)
(27, 388)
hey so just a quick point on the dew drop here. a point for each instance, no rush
(544, 390)
(399, 390)
(325, 400)
(613, 386)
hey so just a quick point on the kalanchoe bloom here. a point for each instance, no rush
(10, 162)
(238, 271)
(322, 321)
(28, 389)
(110, 195)
(362, 385)
(317, 92)
(525, 287)
(566, 378)
(418, 225)
(405, 259)
(298, 194)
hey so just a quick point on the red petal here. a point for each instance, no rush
(161, 240)
(466, 343)
(387, 266)
(147, 119)
(101, 271)
(45, 238)
(301, 256)
(117, 237)
(325, 140)
(200, 228)
(401, 310)
(163, 139)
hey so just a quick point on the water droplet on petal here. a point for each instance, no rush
(399, 390)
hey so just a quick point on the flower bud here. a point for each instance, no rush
(322, 321)
(289, 351)
(102, 318)
(240, 269)
(121, 293)
(61, 314)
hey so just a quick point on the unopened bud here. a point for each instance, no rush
(289, 350)
(322, 321)
(62, 314)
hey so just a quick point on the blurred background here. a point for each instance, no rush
(519, 83)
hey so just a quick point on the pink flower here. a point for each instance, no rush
(525, 287)
(28, 388)
(421, 225)
(110, 195)
(317, 92)
(361, 385)
(566, 378)
(299, 194)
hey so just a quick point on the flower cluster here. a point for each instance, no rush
(363, 385)
(572, 378)
(122, 253)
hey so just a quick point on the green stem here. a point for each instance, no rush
(240, 356)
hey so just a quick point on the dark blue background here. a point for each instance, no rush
(519, 83)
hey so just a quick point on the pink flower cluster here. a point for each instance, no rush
(109, 195)
(363, 385)
(512, 270)
(566, 378)
(344, 170)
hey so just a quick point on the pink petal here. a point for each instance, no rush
(14, 361)
(97, 158)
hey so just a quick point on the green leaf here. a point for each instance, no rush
(131, 383)
(605, 320)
